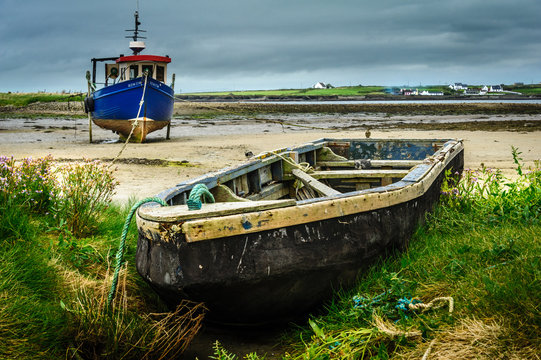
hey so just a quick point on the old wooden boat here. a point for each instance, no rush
(290, 226)
(135, 99)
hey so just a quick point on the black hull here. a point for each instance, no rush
(282, 274)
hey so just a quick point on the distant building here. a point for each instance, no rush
(471, 92)
(431, 93)
(459, 86)
(409, 92)
(496, 88)
(320, 85)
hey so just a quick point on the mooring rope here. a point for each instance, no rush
(199, 191)
(120, 252)
(433, 304)
(303, 166)
(136, 122)
(404, 304)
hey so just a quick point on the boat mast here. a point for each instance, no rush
(136, 46)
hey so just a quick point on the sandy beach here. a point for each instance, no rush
(201, 145)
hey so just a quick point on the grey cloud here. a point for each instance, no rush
(264, 43)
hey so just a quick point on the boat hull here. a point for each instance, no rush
(117, 107)
(282, 273)
(277, 264)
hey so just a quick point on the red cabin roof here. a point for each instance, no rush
(155, 58)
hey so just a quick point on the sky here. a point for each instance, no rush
(218, 45)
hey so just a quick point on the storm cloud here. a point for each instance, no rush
(247, 44)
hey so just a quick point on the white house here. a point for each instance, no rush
(459, 86)
(496, 88)
(431, 93)
(320, 85)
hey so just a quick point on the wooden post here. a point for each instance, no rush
(89, 112)
(169, 125)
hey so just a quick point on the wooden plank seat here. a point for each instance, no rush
(373, 163)
(313, 183)
(181, 212)
(271, 192)
(351, 174)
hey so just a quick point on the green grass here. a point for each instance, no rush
(526, 89)
(23, 99)
(54, 281)
(481, 247)
(33, 325)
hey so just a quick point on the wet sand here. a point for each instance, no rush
(201, 145)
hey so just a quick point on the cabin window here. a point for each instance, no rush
(123, 74)
(148, 68)
(134, 71)
(160, 73)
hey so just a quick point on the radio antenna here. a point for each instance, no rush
(136, 45)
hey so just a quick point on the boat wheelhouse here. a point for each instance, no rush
(135, 99)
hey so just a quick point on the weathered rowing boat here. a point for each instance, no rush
(288, 227)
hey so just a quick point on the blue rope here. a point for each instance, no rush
(199, 191)
(403, 304)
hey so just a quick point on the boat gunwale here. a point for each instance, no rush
(414, 185)
(101, 93)
(211, 178)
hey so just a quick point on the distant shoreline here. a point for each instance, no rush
(182, 107)
(331, 98)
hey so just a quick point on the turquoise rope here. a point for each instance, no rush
(199, 191)
(120, 252)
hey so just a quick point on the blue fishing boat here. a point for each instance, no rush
(135, 99)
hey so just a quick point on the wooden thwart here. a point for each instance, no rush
(271, 192)
(373, 163)
(313, 183)
(349, 174)
(181, 212)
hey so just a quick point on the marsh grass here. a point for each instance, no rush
(482, 248)
(55, 272)
(116, 331)
(22, 99)
(32, 325)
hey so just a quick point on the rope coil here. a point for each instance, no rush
(199, 191)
